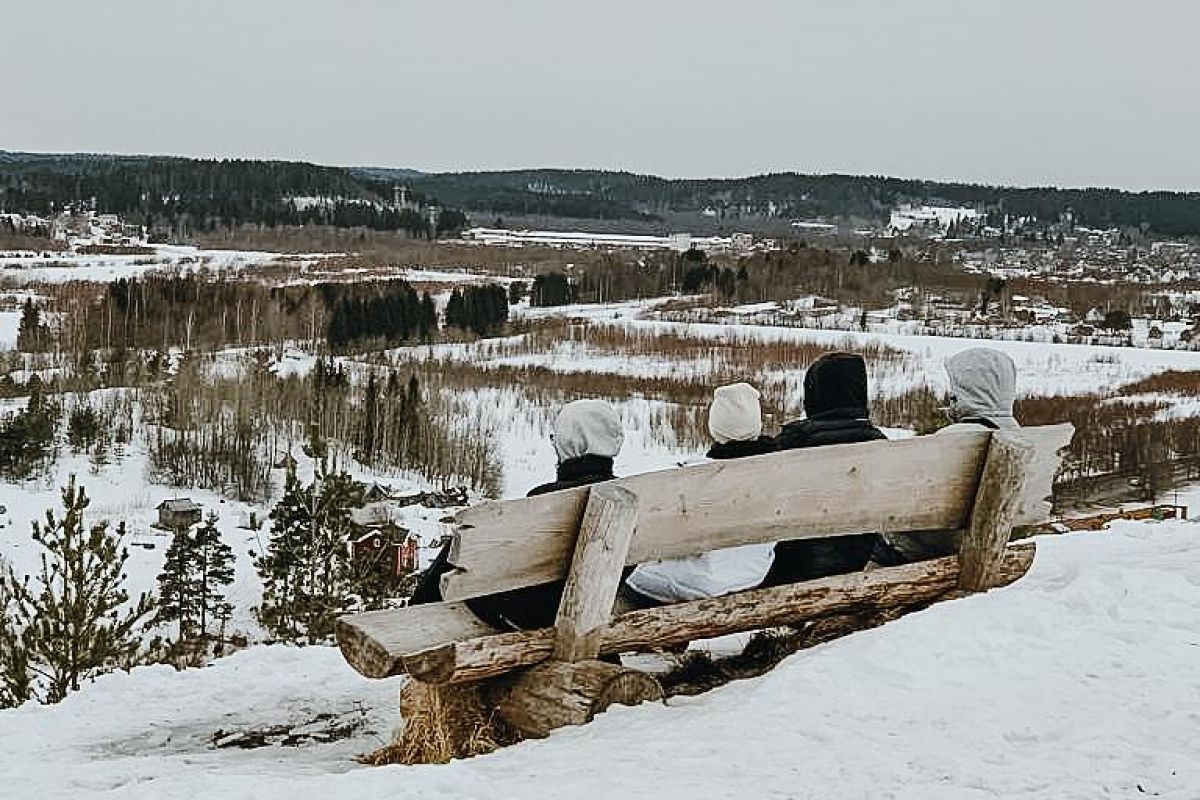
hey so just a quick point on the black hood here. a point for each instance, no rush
(836, 382)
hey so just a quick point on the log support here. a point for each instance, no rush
(997, 503)
(553, 694)
(600, 549)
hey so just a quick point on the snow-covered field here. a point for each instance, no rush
(1042, 368)
(1079, 681)
(24, 268)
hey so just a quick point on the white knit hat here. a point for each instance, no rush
(735, 415)
(587, 427)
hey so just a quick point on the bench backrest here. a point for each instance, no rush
(920, 484)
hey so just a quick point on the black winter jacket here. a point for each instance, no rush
(835, 404)
(586, 469)
(532, 606)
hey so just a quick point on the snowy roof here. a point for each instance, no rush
(178, 504)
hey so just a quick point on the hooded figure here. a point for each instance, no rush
(835, 405)
(983, 388)
(587, 437)
(835, 408)
(735, 422)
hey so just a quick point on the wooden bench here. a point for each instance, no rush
(981, 483)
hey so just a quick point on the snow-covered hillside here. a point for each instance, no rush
(1079, 681)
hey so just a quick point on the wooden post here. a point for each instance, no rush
(997, 502)
(557, 693)
(600, 549)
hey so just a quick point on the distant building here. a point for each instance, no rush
(815, 228)
(376, 493)
(680, 242)
(178, 513)
(390, 547)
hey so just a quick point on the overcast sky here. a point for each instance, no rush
(1069, 92)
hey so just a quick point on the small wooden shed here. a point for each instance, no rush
(177, 513)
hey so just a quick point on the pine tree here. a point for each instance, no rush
(30, 331)
(213, 560)
(74, 619)
(307, 576)
(176, 602)
(16, 682)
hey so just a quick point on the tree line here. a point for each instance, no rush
(602, 194)
(179, 197)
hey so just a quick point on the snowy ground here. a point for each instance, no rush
(1079, 681)
(1042, 368)
(68, 266)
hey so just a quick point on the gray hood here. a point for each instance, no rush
(983, 383)
(587, 428)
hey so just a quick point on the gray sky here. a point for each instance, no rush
(1069, 92)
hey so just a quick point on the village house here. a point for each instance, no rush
(390, 547)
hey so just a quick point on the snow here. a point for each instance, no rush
(28, 268)
(906, 216)
(1042, 368)
(1079, 681)
(10, 323)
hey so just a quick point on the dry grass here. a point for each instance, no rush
(442, 723)
(1177, 382)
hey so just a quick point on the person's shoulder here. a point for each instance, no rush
(961, 427)
(793, 434)
(741, 449)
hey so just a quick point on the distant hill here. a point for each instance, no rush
(608, 195)
(387, 173)
(206, 193)
(179, 196)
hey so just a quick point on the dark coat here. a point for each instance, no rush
(835, 405)
(580, 471)
(532, 606)
(753, 447)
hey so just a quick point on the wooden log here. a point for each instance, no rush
(891, 587)
(372, 641)
(925, 483)
(1051, 442)
(551, 695)
(995, 510)
(591, 589)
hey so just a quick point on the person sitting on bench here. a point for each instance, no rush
(983, 389)
(587, 438)
(735, 422)
(835, 412)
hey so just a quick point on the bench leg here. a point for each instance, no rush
(997, 502)
(558, 693)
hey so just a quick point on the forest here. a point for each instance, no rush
(608, 195)
(182, 197)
